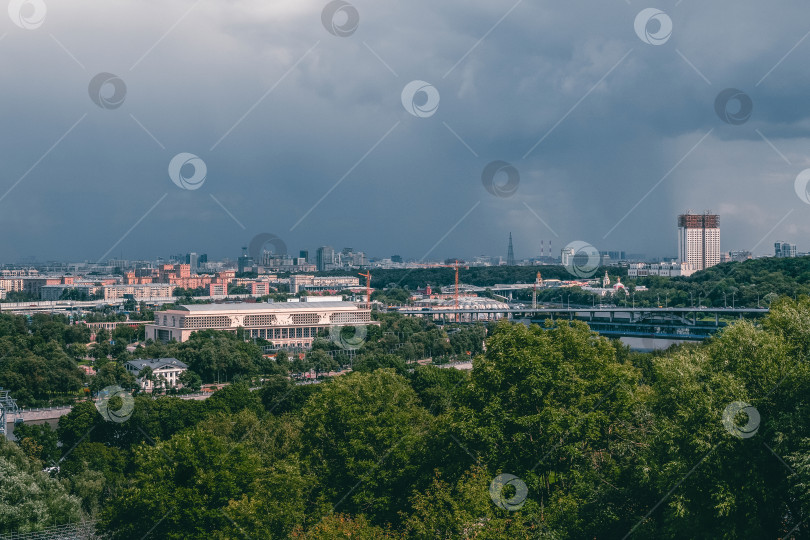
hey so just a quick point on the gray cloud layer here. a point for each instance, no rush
(299, 108)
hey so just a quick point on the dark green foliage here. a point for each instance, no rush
(34, 365)
(38, 441)
(30, 500)
(607, 441)
(234, 398)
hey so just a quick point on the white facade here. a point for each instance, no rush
(673, 269)
(288, 324)
(11, 284)
(166, 372)
(567, 256)
(699, 245)
(305, 282)
(139, 291)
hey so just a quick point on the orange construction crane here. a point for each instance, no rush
(367, 275)
(456, 265)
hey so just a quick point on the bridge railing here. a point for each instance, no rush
(63, 407)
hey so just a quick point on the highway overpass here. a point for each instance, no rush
(62, 306)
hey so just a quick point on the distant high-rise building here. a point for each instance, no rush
(567, 256)
(784, 249)
(615, 255)
(510, 253)
(244, 262)
(192, 260)
(304, 254)
(739, 255)
(699, 240)
(396, 258)
(325, 258)
(203, 259)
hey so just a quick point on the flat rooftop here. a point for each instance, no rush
(244, 307)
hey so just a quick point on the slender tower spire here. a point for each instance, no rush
(510, 254)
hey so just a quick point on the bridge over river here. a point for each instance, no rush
(690, 324)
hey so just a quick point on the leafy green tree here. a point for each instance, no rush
(93, 471)
(323, 362)
(112, 374)
(275, 504)
(184, 486)
(75, 425)
(438, 389)
(733, 473)
(464, 510)
(38, 441)
(369, 362)
(343, 526)
(219, 356)
(555, 407)
(364, 438)
(29, 499)
(280, 395)
(189, 379)
(102, 335)
(234, 398)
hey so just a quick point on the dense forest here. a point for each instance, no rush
(555, 433)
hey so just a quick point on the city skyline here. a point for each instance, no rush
(319, 136)
(546, 252)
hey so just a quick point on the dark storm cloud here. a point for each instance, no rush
(280, 110)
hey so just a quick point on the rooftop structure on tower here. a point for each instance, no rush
(510, 254)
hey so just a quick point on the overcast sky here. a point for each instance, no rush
(610, 123)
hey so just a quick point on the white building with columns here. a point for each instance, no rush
(285, 324)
